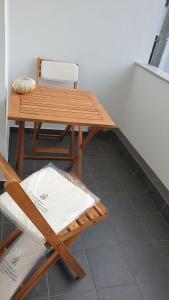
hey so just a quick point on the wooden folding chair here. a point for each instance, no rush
(60, 242)
(60, 72)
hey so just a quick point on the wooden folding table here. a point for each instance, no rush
(59, 106)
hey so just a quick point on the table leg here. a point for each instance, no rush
(86, 141)
(79, 163)
(21, 149)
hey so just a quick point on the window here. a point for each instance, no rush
(160, 52)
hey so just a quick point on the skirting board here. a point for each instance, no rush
(158, 192)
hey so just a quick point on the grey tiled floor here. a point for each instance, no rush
(125, 257)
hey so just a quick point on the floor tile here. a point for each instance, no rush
(91, 295)
(99, 166)
(131, 183)
(109, 267)
(157, 198)
(7, 229)
(120, 167)
(41, 289)
(143, 203)
(163, 248)
(5, 219)
(155, 290)
(61, 279)
(130, 230)
(85, 168)
(124, 292)
(102, 234)
(79, 244)
(146, 262)
(156, 226)
(93, 153)
(117, 203)
(89, 182)
(112, 152)
(108, 183)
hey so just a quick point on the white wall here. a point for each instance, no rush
(146, 119)
(3, 77)
(104, 37)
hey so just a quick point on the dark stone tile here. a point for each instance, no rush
(102, 141)
(130, 230)
(43, 163)
(143, 203)
(78, 245)
(163, 248)
(165, 212)
(131, 183)
(164, 192)
(94, 153)
(124, 292)
(143, 177)
(146, 262)
(1, 217)
(66, 281)
(42, 142)
(109, 267)
(156, 196)
(29, 167)
(117, 203)
(41, 289)
(7, 229)
(104, 166)
(102, 234)
(156, 226)
(39, 164)
(89, 182)
(85, 168)
(90, 295)
(1, 225)
(112, 152)
(5, 219)
(107, 183)
(99, 166)
(120, 167)
(155, 290)
(132, 162)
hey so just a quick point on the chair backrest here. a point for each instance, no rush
(57, 71)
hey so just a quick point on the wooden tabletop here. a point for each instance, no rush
(61, 106)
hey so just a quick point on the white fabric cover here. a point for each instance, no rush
(17, 263)
(58, 71)
(58, 199)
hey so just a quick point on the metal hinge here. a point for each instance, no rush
(167, 3)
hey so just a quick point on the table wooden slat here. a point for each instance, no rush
(62, 106)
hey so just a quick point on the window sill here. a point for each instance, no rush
(154, 70)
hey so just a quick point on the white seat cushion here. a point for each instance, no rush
(17, 263)
(58, 199)
(58, 71)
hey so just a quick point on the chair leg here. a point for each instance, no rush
(36, 129)
(6, 244)
(65, 131)
(37, 276)
(65, 253)
(71, 141)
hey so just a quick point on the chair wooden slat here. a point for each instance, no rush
(92, 214)
(101, 208)
(73, 226)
